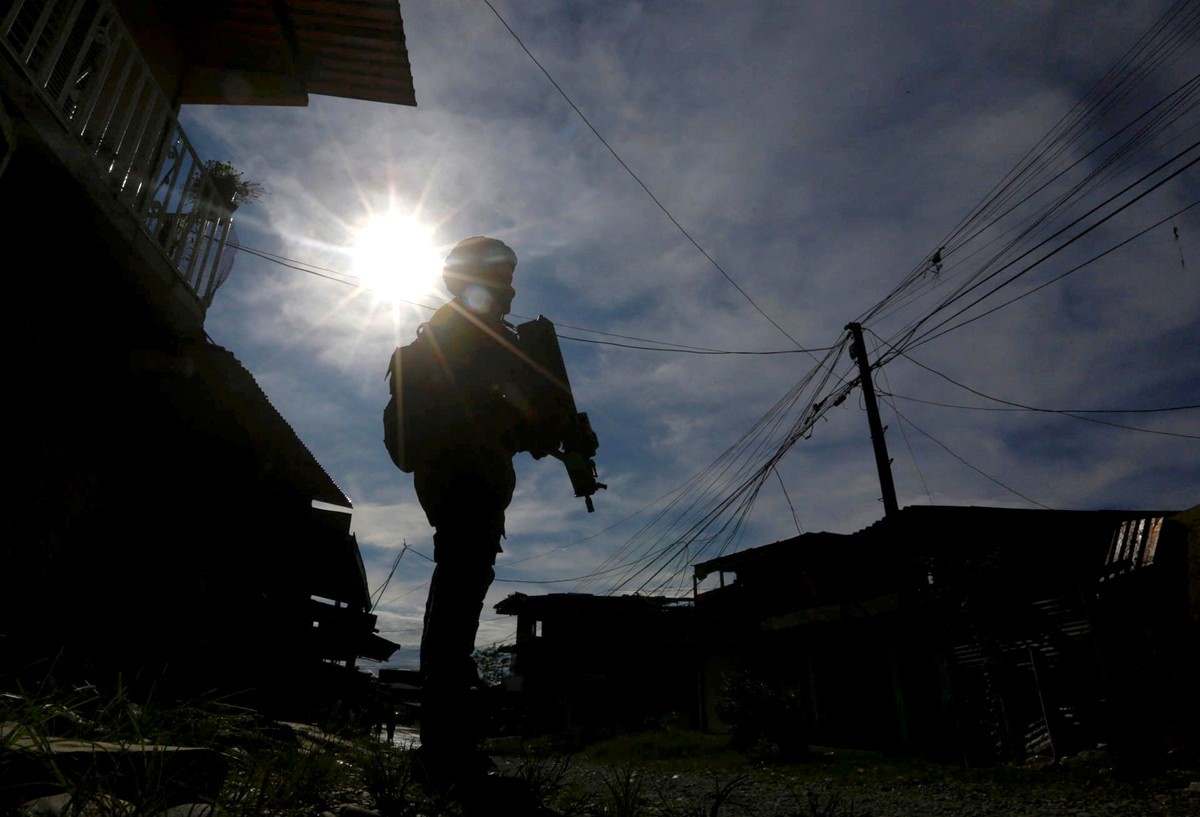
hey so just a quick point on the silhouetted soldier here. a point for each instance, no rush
(469, 393)
(464, 484)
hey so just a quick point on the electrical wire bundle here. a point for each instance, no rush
(1106, 156)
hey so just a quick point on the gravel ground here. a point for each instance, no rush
(879, 788)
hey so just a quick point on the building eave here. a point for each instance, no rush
(265, 52)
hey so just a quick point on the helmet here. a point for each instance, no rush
(478, 259)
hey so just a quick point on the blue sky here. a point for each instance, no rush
(820, 153)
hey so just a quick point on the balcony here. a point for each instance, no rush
(88, 72)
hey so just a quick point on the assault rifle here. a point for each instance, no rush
(561, 431)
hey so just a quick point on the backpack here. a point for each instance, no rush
(410, 382)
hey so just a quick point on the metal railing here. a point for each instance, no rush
(89, 71)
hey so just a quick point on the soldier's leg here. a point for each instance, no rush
(451, 713)
(465, 501)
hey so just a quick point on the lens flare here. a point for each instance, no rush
(395, 257)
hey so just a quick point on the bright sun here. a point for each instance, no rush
(395, 257)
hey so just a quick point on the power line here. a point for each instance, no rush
(735, 479)
(1078, 414)
(1163, 42)
(907, 444)
(616, 524)
(623, 337)
(1024, 407)
(808, 350)
(408, 592)
(635, 177)
(723, 494)
(791, 507)
(1059, 248)
(979, 471)
(1105, 168)
(709, 513)
(602, 571)
(664, 345)
(1098, 421)
(501, 640)
(1017, 407)
(379, 594)
(1056, 278)
(1074, 416)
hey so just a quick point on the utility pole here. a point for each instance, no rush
(858, 352)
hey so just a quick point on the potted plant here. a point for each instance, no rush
(231, 186)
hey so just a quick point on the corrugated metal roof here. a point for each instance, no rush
(282, 50)
(550, 603)
(354, 49)
(798, 547)
(281, 449)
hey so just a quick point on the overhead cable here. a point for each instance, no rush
(935, 335)
(1079, 414)
(663, 345)
(635, 177)
(1016, 407)
(977, 470)
(1085, 231)
(710, 514)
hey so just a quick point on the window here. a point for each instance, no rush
(1133, 546)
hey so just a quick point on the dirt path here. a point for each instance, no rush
(875, 790)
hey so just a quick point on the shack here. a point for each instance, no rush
(588, 666)
(978, 634)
